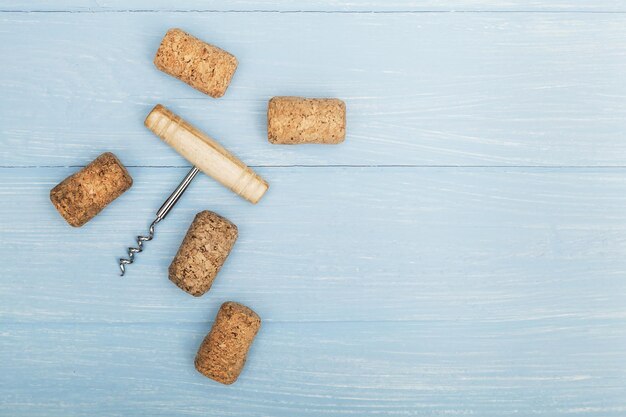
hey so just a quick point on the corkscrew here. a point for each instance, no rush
(207, 156)
(160, 215)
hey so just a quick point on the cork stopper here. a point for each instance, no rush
(204, 250)
(205, 67)
(81, 196)
(298, 120)
(223, 351)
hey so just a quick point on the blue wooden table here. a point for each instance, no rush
(462, 253)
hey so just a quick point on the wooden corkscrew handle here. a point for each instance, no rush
(206, 154)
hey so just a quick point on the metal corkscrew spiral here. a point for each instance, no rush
(160, 215)
(206, 155)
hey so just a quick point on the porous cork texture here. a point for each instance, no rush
(202, 253)
(223, 351)
(299, 120)
(81, 196)
(205, 67)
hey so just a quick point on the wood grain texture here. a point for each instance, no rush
(428, 266)
(431, 368)
(320, 5)
(329, 244)
(206, 154)
(421, 89)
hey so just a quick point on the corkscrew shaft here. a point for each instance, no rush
(178, 192)
(160, 215)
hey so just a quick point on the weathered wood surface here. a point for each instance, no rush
(424, 368)
(320, 5)
(421, 89)
(462, 253)
(329, 244)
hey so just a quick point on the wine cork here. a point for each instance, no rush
(81, 196)
(202, 253)
(298, 120)
(205, 67)
(223, 351)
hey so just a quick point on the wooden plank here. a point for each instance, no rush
(332, 244)
(422, 89)
(323, 5)
(561, 367)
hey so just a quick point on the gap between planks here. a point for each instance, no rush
(318, 11)
(538, 167)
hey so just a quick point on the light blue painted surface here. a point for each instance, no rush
(297, 6)
(462, 253)
(421, 89)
